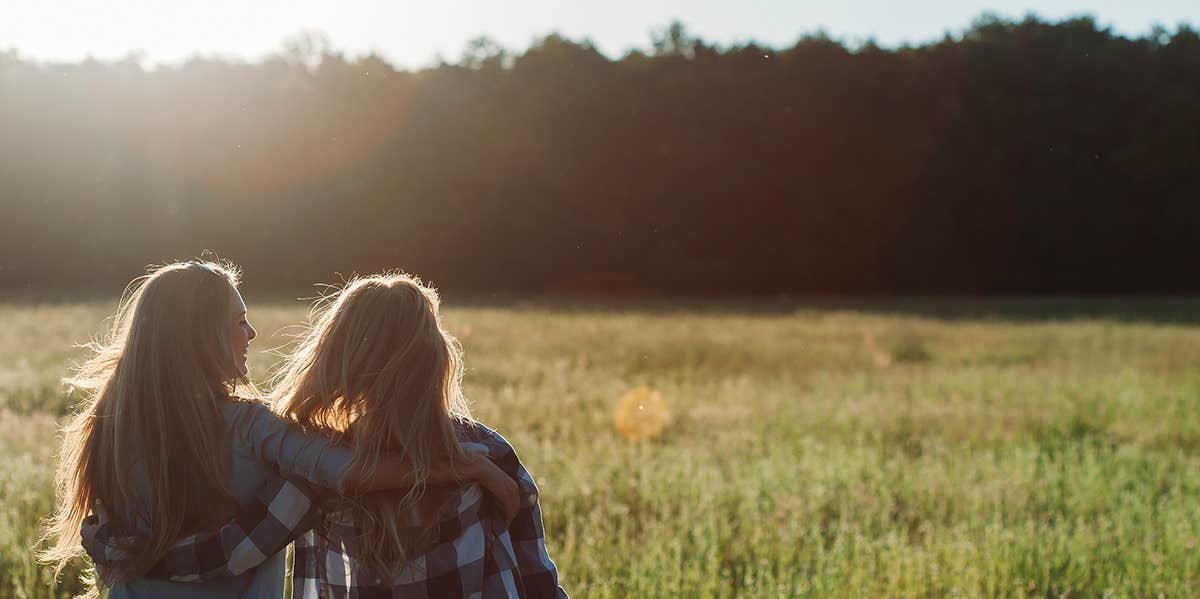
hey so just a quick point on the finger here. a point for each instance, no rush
(100, 511)
(507, 505)
(514, 502)
(504, 498)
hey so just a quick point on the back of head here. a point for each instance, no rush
(377, 369)
(154, 386)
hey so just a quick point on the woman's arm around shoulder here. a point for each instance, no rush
(270, 438)
(323, 462)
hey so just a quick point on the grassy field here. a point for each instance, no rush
(880, 449)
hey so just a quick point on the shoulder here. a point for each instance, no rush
(243, 415)
(502, 453)
(473, 431)
(245, 407)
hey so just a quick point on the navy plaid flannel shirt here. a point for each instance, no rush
(472, 555)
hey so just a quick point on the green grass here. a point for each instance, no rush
(815, 451)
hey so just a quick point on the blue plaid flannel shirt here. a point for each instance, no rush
(280, 510)
(472, 554)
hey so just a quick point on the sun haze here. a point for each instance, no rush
(412, 34)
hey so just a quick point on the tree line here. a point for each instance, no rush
(1016, 157)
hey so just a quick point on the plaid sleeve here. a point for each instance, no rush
(281, 510)
(107, 545)
(537, 574)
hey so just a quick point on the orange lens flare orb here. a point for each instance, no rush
(641, 414)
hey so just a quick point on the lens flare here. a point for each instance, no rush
(641, 414)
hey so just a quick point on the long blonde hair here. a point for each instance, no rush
(154, 386)
(377, 370)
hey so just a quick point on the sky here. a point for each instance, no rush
(413, 34)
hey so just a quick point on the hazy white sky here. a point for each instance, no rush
(411, 33)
